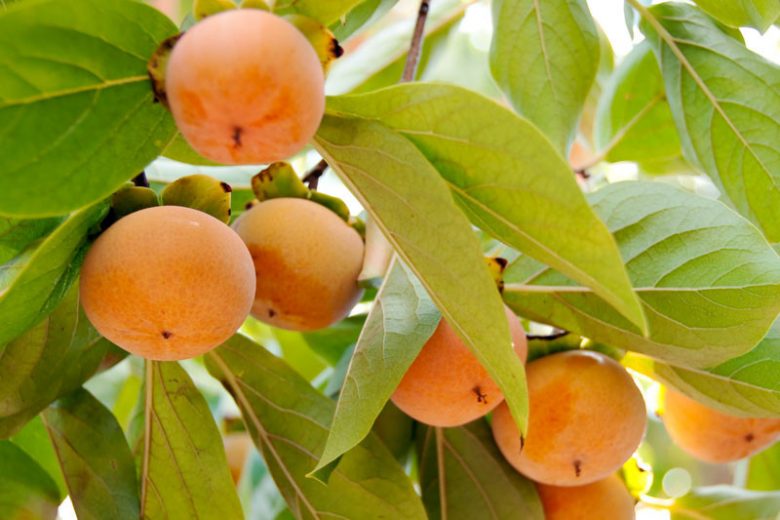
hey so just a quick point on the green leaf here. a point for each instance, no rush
(745, 385)
(463, 475)
(396, 430)
(726, 503)
(726, 104)
(763, 472)
(413, 207)
(400, 322)
(34, 440)
(740, 13)
(708, 281)
(33, 282)
(51, 359)
(361, 16)
(184, 472)
(507, 178)
(18, 234)
(325, 12)
(26, 490)
(544, 56)
(77, 113)
(180, 150)
(331, 343)
(288, 421)
(634, 121)
(95, 457)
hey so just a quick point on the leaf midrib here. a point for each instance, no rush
(45, 96)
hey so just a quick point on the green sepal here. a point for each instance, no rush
(204, 8)
(200, 192)
(278, 180)
(130, 198)
(320, 37)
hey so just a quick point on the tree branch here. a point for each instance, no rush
(415, 49)
(312, 177)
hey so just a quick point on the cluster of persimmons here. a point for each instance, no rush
(170, 283)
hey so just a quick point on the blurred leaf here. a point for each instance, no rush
(634, 122)
(476, 480)
(708, 280)
(296, 352)
(400, 322)
(95, 457)
(413, 207)
(544, 56)
(506, 177)
(34, 440)
(362, 15)
(184, 472)
(76, 111)
(740, 13)
(288, 421)
(764, 470)
(325, 12)
(26, 490)
(603, 74)
(745, 385)
(331, 343)
(726, 105)
(32, 283)
(379, 61)
(51, 359)
(726, 503)
(180, 150)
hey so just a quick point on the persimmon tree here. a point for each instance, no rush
(291, 259)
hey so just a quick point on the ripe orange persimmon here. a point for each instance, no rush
(245, 87)
(600, 500)
(586, 418)
(712, 435)
(167, 283)
(446, 385)
(307, 261)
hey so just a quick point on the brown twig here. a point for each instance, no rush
(312, 177)
(415, 49)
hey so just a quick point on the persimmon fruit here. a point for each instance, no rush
(167, 283)
(245, 87)
(307, 261)
(713, 436)
(586, 418)
(446, 385)
(606, 498)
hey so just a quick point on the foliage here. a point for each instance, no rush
(676, 276)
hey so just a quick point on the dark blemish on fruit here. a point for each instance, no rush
(249, 205)
(166, 334)
(271, 313)
(481, 398)
(577, 468)
(237, 131)
(226, 187)
(750, 437)
(522, 443)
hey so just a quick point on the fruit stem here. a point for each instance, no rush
(415, 48)
(312, 177)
